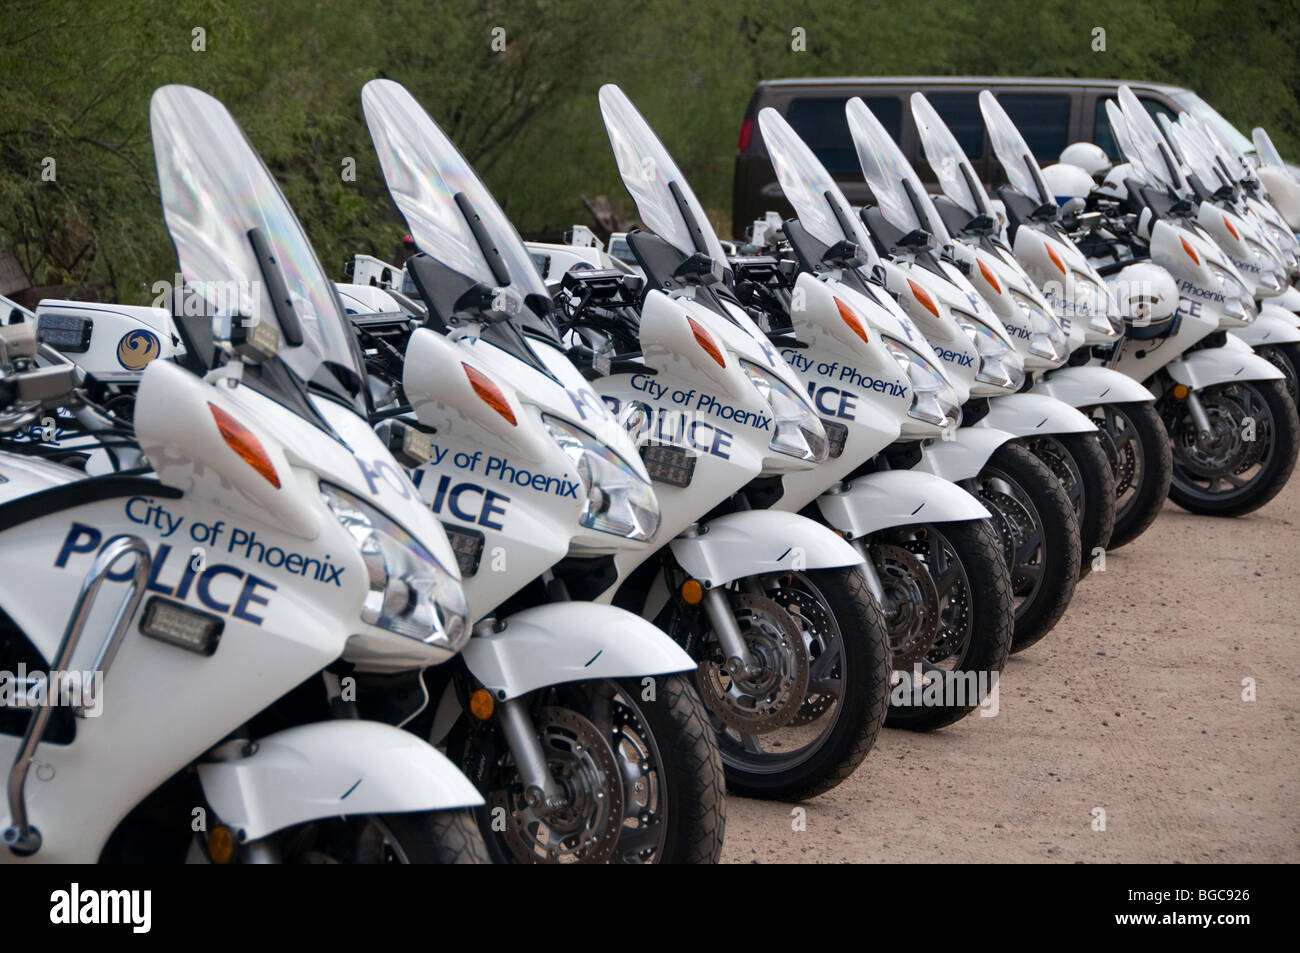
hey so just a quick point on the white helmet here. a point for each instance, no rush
(1113, 186)
(1087, 156)
(1069, 184)
(1147, 296)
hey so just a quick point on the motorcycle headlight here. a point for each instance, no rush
(1094, 302)
(796, 430)
(1271, 268)
(999, 363)
(1047, 339)
(618, 500)
(1238, 302)
(410, 593)
(934, 399)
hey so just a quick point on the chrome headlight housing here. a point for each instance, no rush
(619, 501)
(1000, 364)
(410, 593)
(1047, 339)
(934, 399)
(797, 431)
(1238, 302)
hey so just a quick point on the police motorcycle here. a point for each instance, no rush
(1054, 346)
(1036, 524)
(1231, 424)
(571, 716)
(176, 635)
(1059, 435)
(1277, 179)
(777, 610)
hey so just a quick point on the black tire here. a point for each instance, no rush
(989, 629)
(1042, 584)
(1278, 436)
(860, 712)
(1286, 358)
(690, 796)
(1090, 484)
(1138, 445)
(424, 837)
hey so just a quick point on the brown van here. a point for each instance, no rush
(1050, 113)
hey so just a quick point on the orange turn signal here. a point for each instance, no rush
(489, 393)
(1180, 391)
(221, 844)
(1191, 252)
(241, 440)
(1231, 229)
(923, 296)
(692, 592)
(481, 704)
(851, 319)
(705, 340)
(1056, 259)
(987, 272)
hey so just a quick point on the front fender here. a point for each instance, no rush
(1088, 386)
(759, 541)
(1273, 326)
(328, 769)
(963, 456)
(1031, 415)
(569, 642)
(1220, 365)
(888, 498)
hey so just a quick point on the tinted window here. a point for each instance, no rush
(1043, 119)
(1101, 133)
(821, 123)
(961, 113)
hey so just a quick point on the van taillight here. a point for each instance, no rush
(746, 130)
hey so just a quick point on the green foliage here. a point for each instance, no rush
(75, 81)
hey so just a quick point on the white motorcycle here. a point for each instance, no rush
(258, 545)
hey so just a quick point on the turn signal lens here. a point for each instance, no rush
(481, 704)
(705, 340)
(241, 440)
(1180, 391)
(1056, 259)
(923, 297)
(489, 393)
(852, 320)
(692, 592)
(221, 844)
(990, 278)
(1191, 252)
(1231, 229)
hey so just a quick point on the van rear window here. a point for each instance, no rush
(821, 123)
(961, 113)
(1043, 119)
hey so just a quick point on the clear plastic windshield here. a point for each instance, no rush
(1264, 148)
(1146, 139)
(1197, 154)
(1238, 165)
(946, 158)
(1206, 113)
(648, 172)
(1124, 140)
(886, 170)
(809, 187)
(214, 190)
(1013, 152)
(425, 173)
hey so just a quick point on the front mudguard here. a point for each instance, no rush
(1033, 415)
(569, 642)
(754, 542)
(1088, 386)
(1273, 326)
(889, 498)
(1221, 365)
(963, 456)
(328, 769)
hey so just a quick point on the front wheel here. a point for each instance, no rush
(1079, 462)
(1246, 457)
(1039, 535)
(425, 837)
(1138, 448)
(1286, 358)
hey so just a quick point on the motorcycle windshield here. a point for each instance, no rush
(1124, 140)
(649, 173)
(425, 173)
(1146, 139)
(946, 158)
(215, 190)
(810, 189)
(1264, 148)
(1011, 149)
(887, 170)
(1196, 154)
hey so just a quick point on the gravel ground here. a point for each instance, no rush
(1133, 704)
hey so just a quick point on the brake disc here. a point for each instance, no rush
(1014, 524)
(772, 696)
(586, 827)
(819, 631)
(1227, 450)
(953, 606)
(1063, 467)
(911, 603)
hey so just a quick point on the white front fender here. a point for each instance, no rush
(760, 541)
(888, 498)
(1088, 386)
(1220, 365)
(328, 769)
(570, 642)
(963, 456)
(1273, 326)
(1032, 415)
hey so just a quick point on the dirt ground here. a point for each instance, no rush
(1133, 704)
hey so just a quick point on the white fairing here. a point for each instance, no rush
(569, 642)
(1273, 326)
(329, 769)
(964, 456)
(760, 541)
(1221, 365)
(1090, 385)
(122, 338)
(888, 498)
(1032, 415)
